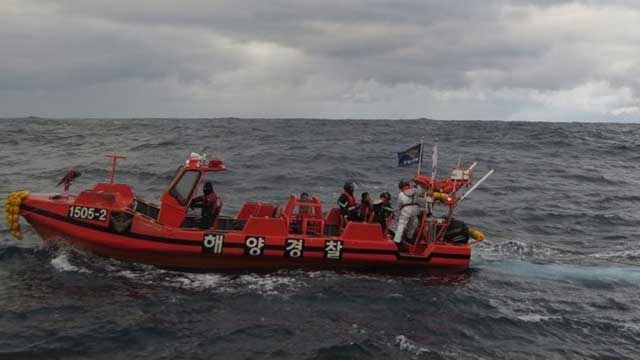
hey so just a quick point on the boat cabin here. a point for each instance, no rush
(184, 188)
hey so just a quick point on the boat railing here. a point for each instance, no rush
(306, 226)
(431, 230)
(229, 224)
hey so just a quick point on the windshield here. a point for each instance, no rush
(181, 191)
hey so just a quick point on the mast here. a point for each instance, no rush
(114, 160)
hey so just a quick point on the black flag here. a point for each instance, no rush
(410, 156)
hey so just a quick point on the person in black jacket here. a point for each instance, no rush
(365, 207)
(347, 203)
(383, 211)
(208, 202)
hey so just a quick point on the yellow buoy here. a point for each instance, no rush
(12, 211)
(440, 196)
(476, 234)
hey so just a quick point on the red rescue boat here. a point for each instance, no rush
(110, 220)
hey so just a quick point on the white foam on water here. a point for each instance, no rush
(283, 283)
(394, 296)
(271, 284)
(318, 274)
(407, 345)
(622, 254)
(202, 282)
(154, 276)
(61, 263)
(526, 308)
(517, 249)
(278, 284)
(537, 318)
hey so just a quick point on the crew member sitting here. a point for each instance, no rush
(364, 209)
(382, 210)
(305, 209)
(208, 202)
(347, 203)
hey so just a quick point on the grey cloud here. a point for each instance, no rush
(328, 58)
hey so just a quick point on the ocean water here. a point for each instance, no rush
(558, 276)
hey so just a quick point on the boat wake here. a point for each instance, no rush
(594, 275)
(281, 283)
(61, 263)
(514, 249)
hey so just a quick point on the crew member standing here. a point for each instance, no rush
(365, 207)
(382, 210)
(410, 203)
(208, 202)
(347, 203)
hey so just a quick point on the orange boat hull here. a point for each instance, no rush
(151, 243)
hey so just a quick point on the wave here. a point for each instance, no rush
(538, 318)
(154, 145)
(409, 346)
(633, 254)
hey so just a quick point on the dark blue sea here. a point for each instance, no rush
(557, 278)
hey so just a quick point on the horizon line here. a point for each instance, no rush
(33, 117)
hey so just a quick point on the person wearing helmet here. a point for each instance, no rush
(208, 202)
(347, 203)
(382, 210)
(410, 203)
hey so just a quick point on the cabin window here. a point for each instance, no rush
(182, 189)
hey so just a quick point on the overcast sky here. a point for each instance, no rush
(503, 60)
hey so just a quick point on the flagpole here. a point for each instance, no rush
(420, 158)
(434, 161)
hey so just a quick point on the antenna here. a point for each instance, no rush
(114, 160)
(420, 157)
(476, 185)
(434, 161)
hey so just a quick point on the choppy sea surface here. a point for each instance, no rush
(558, 276)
